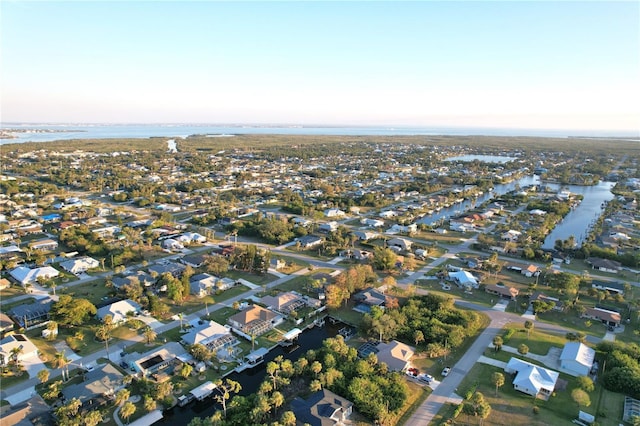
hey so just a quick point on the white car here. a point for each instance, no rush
(427, 378)
(446, 371)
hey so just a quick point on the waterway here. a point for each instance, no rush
(579, 220)
(484, 158)
(576, 223)
(466, 205)
(251, 379)
(55, 132)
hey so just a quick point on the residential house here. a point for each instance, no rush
(613, 287)
(463, 279)
(334, 213)
(6, 323)
(328, 227)
(27, 349)
(25, 275)
(175, 269)
(577, 359)
(172, 245)
(284, 303)
(194, 260)
(119, 311)
(372, 223)
(322, 408)
(192, 237)
(80, 265)
(502, 291)
(33, 314)
(604, 265)
(370, 297)
(158, 360)
(607, 317)
(202, 285)
(309, 241)
(255, 320)
(401, 243)
(511, 235)
(140, 277)
(277, 264)
(99, 386)
(558, 304)
(212, 335)
(43, 245)
(395, 354)
(365, 235)
(531, 379)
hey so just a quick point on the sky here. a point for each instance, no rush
(536, 65)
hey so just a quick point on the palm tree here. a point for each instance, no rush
(61, 361)
(15, 355)
(127, 411)
(43, 375)
(122, 396)
(185, 370)
(92, 418)
(149, 334)
(104, 333)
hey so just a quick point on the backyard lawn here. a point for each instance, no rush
(512, 407)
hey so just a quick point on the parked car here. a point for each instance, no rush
(412, 372)
(446, 371)
(427, 378)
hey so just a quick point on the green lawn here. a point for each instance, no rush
(94, 291)
(252, 278)
(415, 397)
(571, 321)
(514, 408)
(12, 378)
(538, 342)
(6, 307)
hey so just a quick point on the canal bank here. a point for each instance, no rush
(250, 379)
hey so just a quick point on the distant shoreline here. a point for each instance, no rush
(23, 132)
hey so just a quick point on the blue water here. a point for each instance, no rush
(484, 158)
(108, 131)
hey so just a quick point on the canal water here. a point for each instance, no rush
(466, 205)
(579, 220)
(576, 223)
(251, 379)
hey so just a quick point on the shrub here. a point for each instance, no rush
(508, 334)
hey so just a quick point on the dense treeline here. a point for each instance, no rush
(376, 392)
(621, 367)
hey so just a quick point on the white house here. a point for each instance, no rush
(192, 237)
(532, 379)
(212, 335)
(27, 348)
(118, 310)
(171, 244)
(80, 265)
(576, 359)
(464, 279)
(25, 275)
(334, 213)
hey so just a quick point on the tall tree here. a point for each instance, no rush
(72, 311)
(127, 410)
(225, 389)
(498, 380)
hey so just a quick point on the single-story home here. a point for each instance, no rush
(322, 408)
(610, 286)
(6, 323)
(8, 344)
(119, 311)
(25, 275)
(284, 302)
(159, 359)
(502, 291)
(202, 284)
(255, 320)
(309, 241)
(532, 379)
(212, 335)
(463, 279)
(32, 314)
(576, 359)
(610, 318)
(395, 354)
(402, 243)
(604, 265)
(79, 265)
(172, 244)
(99, 385)
(43, 245)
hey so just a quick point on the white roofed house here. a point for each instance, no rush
(171, 244)
(577, 359)
(284, 302)
(212, 335)
(402, 243)
(531, 379)
(119, 311)
(9, 346)
(202, 285)
(463, 279)
(80, 265)
(334, 213)
(25, 275)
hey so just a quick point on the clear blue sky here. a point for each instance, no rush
(566, 65)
